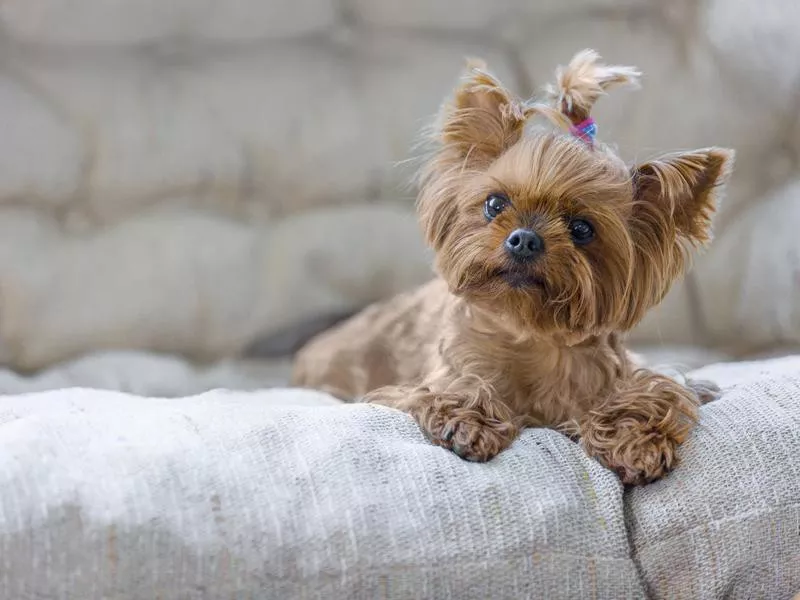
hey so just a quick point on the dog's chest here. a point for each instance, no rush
(554, 389)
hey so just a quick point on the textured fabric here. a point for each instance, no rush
(149, 374)
(727, 523)
(161, 158)
(286, 494)
(228, 495)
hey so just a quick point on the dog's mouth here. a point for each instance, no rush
(520, 279)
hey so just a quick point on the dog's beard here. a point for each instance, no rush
(533, 299)
(494, 282)
(521, 279)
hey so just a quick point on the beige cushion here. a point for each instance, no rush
(724, 524)
(286, 494)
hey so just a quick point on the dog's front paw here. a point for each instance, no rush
(469, 434)
(636, 430)
(637, 453)
(473, 439)
(648, 461)
(476, 427)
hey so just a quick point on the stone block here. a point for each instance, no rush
(497, 18)
(251, 126)
(146, 21)
(42, 154)
(750, 278)
(191, 282)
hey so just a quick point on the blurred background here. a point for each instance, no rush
(187, 187)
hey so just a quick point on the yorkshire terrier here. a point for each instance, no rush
(548, 247)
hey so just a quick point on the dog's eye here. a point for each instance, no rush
(581, 231)
(494, 205)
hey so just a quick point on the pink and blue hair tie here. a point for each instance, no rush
(586, 130)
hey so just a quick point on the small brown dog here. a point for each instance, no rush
(548, 247)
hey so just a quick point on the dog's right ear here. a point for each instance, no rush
(483, 118)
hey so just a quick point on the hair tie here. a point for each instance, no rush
(586, 130)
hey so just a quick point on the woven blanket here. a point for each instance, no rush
(286, 494)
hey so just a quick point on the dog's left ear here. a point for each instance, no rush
(674, 200)
(483, 118)
(675, 195)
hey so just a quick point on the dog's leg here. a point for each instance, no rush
(464, 416)
(636, 431)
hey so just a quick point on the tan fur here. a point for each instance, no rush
(584, 80)
(490, 347)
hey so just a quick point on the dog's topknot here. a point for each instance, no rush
(584, 80)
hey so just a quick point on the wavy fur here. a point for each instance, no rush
(491, 346)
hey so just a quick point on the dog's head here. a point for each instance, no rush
(547, 229)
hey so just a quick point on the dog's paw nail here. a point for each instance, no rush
(466, 453)
(448, 432)
(626, 477)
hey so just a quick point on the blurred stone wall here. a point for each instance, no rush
(185, 175)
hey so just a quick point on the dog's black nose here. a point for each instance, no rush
(524, 244)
